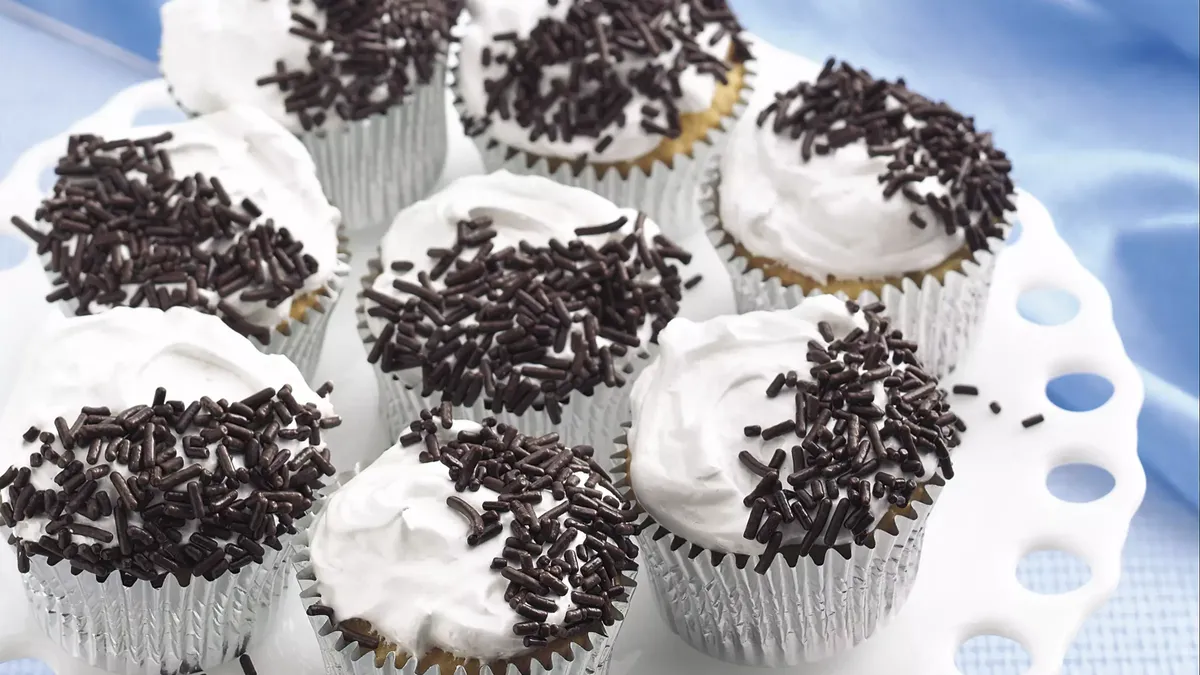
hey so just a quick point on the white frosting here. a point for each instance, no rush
(256, 158)
(387, 549)
(214, 51)
(493, 17)
(117, 359)
(825, 218)
(690, 408)
(523, 208)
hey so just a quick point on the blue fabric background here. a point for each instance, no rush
(1097, 100)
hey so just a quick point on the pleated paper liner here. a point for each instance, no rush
(372, 168)
(666, 193)
(144, 629)
(590, 420)
(587, 654)
(302, 335)
(940, 316)
(800, 610)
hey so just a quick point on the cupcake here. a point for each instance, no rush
(786, 462)
(626, 100)
(518, 297)
(470, 548)
(221, 213)
(361, 83)
(859, 187)
(163, 465)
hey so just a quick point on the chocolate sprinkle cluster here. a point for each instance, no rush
(526, 326)
(129, 485)
(124, 230)
(925, 139)
(578, 549)
(366, 56)
(842, 440)
(610, 51)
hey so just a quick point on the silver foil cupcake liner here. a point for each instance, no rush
(667, 194)
(800, 610)
(342, 657)
(373, 168)
(299, 339)
(592, 420)
(143, 630)
(941, 316)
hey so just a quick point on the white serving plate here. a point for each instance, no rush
(996, 510)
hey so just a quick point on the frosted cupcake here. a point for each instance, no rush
(859, 187)
(518, 297)
(222, 214)
(627, 100)
(167, 464)
(472, 548)
(786, 462)
(361, 83)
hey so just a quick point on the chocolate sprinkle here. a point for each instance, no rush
(1033, 420)
(121, 229)
(845, 105)
(366, 56)
(154, 495)
(574, 76)
(526, 326)
(995, 407)
(842, 438)
(579, 549)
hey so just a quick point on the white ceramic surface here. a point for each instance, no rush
(995, 510)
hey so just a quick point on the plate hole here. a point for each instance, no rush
(1047, 306)
(12, 250)
(1079, 483)
(992, 655)
(1053, 572)
(1079, 392)
(159, 116)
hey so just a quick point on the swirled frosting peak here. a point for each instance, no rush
(530, 282)
(431, 542)
(768, 429)
(305, 63)
(222, 213)
(607, 79)
(149, 443)
(849, 177)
